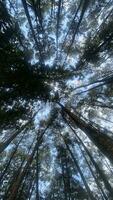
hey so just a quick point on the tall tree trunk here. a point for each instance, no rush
(8, 163)
(16, 185)
(37, 172)
(39, 141)
(52, 7)
(79, 170)
(5, 144)
(19, 180)
(84, 8)
(58, 20)
(38, 16)
(33, 32)
(39, 12)
(13, 180)
(64, 182)
(65, 172)
(94, 176)
(103, 81)
(100, 139)
(16, 175)
(98, 170)
(24, 184)
(72, 21)
(32, 189)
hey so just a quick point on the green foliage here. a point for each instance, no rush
(54, 52)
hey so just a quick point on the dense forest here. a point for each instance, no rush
(56, 100)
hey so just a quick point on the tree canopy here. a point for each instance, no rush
(56, 99)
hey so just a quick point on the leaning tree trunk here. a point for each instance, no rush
(22, 191)
(16, 185)
(9, 161)
(5, 144)
(94, 176)
(29, 189)
(83, 10)
(32, 30)
(16, 175)
(98, 170)
(79, 170)
(72, 21)
(100, 139)
(19, 180)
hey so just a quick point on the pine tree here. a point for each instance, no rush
(56, 99)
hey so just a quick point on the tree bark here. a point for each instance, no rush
(64, 182)
(94, 176)
(12, 155)
(16, 185)
(32, 29)
(30, 192)
(79, 170)
(16, 175)
(5, 144)
(98, 170)
(84, 7)
(100, 139)
(37, 172)
(19, 180)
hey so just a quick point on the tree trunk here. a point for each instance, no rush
(15, 176)
(5, 144)
(30, 188)
(94, 176)
(84, 7)
(30, 192)
(37, 172)
(24, 184)
(79, 170)
(73, 20)
(99, 171)
(100, 139)
(32, 29)
(19, 180)
(16, 185)
(64, 182)
(12, 155)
